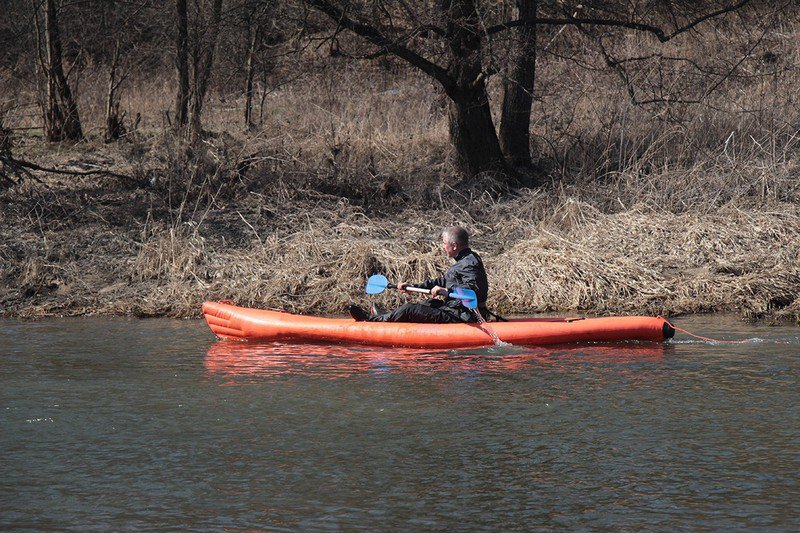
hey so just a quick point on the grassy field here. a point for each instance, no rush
(352, 174)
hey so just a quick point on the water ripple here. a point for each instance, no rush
(153, 425)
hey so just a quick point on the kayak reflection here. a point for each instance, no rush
(242, 361)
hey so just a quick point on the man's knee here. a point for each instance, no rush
(405, 313)
(425, 314)
(419, 313)
(399, 314)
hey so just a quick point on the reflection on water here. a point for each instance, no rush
(118, 425)
(237, 362)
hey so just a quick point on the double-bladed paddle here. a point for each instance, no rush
(378, 283)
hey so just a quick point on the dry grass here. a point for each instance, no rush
(352, 174)
(658, 262)
(311, 253)
(575, 259)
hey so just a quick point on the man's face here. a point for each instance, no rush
(450, 248)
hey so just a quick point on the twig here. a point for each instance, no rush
(251, 227)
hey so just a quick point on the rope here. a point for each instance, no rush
(709, 339)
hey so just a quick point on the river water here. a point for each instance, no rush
(131, 425)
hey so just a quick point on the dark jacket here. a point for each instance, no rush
(466, 273)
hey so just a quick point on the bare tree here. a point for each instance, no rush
(202, 62)
(449, 40)
(114, 127)
(196, 41)
(255, 37)
(111, 34)
(61, 120)
(182, 63)
(462, 75)
(518, 87)
(255, 42)
(261, 16)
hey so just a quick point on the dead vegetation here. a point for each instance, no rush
(697, 211)
(310, 252)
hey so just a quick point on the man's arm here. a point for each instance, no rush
(436, 286)
(468, 278)
(431, 283)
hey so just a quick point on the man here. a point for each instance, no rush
(466, 273)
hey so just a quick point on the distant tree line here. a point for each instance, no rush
(459, 44)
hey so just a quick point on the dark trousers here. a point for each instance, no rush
(424, 313)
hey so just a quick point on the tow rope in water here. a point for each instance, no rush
(721, 341)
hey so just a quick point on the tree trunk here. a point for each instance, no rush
(248, 91)
(61, 114)
(114, 127)
(518, 92)
(204, 60)
(473, 135)
(182, 64)
(472, 130)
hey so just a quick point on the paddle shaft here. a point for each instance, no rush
(417, 289)
(412, 289)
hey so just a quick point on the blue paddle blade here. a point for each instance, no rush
(467, 297)
(377, 284)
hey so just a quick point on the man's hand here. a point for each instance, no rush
(438, 290)
(401, 286)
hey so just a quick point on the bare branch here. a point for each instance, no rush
(660, 34)
(377, 38)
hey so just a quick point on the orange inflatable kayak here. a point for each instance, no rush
(239, 323)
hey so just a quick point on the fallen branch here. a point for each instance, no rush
(9, 169)
(18, 166)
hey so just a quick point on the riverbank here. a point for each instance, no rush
(153, 246)
(666, 179)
